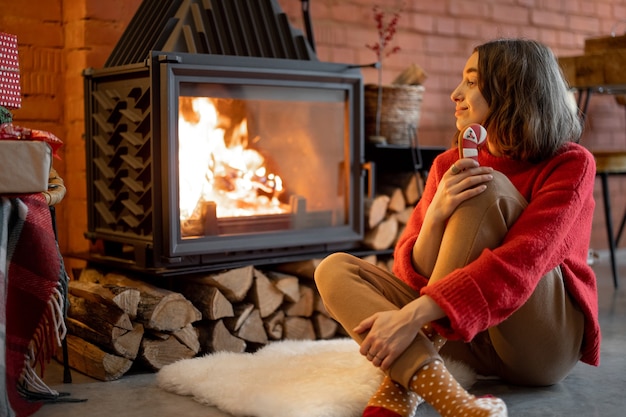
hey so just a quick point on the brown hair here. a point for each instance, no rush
(531, 111)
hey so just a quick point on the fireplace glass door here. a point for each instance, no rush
(275, 161)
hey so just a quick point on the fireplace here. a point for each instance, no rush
(215, 138)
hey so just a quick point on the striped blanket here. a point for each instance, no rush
(31, 300)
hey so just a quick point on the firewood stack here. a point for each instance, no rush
(116, 321)
(387, 213)
(246, 308)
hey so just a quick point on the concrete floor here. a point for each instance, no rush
(587, 392)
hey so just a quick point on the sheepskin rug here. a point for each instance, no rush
(322, 378)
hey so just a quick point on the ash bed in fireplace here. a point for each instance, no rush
(215, 137)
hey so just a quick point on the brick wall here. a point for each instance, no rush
(59, 38)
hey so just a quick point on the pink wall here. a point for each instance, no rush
(59, 38)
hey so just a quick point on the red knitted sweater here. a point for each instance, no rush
(553, 230)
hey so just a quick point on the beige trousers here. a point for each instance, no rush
(538, 345)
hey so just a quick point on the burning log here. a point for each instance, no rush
(205, 224)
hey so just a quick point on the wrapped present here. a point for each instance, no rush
(10, 91)
(24, 166)
(26, 159)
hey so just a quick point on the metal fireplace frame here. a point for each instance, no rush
(130, 140)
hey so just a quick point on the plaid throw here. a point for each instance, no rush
(30, 268)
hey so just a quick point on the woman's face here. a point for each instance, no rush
(470, 105)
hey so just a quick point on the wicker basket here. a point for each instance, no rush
(399, 113)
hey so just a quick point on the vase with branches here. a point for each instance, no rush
(386, 28)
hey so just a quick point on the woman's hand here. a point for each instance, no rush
(465, 179)
(391, 332)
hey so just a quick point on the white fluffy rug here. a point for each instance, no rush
(323, 378)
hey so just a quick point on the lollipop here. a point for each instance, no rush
(473, 136)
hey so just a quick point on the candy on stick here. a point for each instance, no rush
(473, 135)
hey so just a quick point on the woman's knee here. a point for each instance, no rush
(500, 193)
(326, 273)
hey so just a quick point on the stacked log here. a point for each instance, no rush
(117, 321)
(257, 307)
(387, 213)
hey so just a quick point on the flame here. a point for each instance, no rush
(233, 176)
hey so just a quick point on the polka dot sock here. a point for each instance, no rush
(437, 340)
(438, 388)
(392, 400)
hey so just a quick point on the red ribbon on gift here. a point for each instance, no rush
(9, 131)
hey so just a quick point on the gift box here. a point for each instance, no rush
(10, 91)
(24, 166)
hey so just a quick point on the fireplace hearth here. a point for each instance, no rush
(215, 138)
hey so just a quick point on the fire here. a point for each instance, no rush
(217, 165)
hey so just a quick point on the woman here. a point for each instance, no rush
(492, 267)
